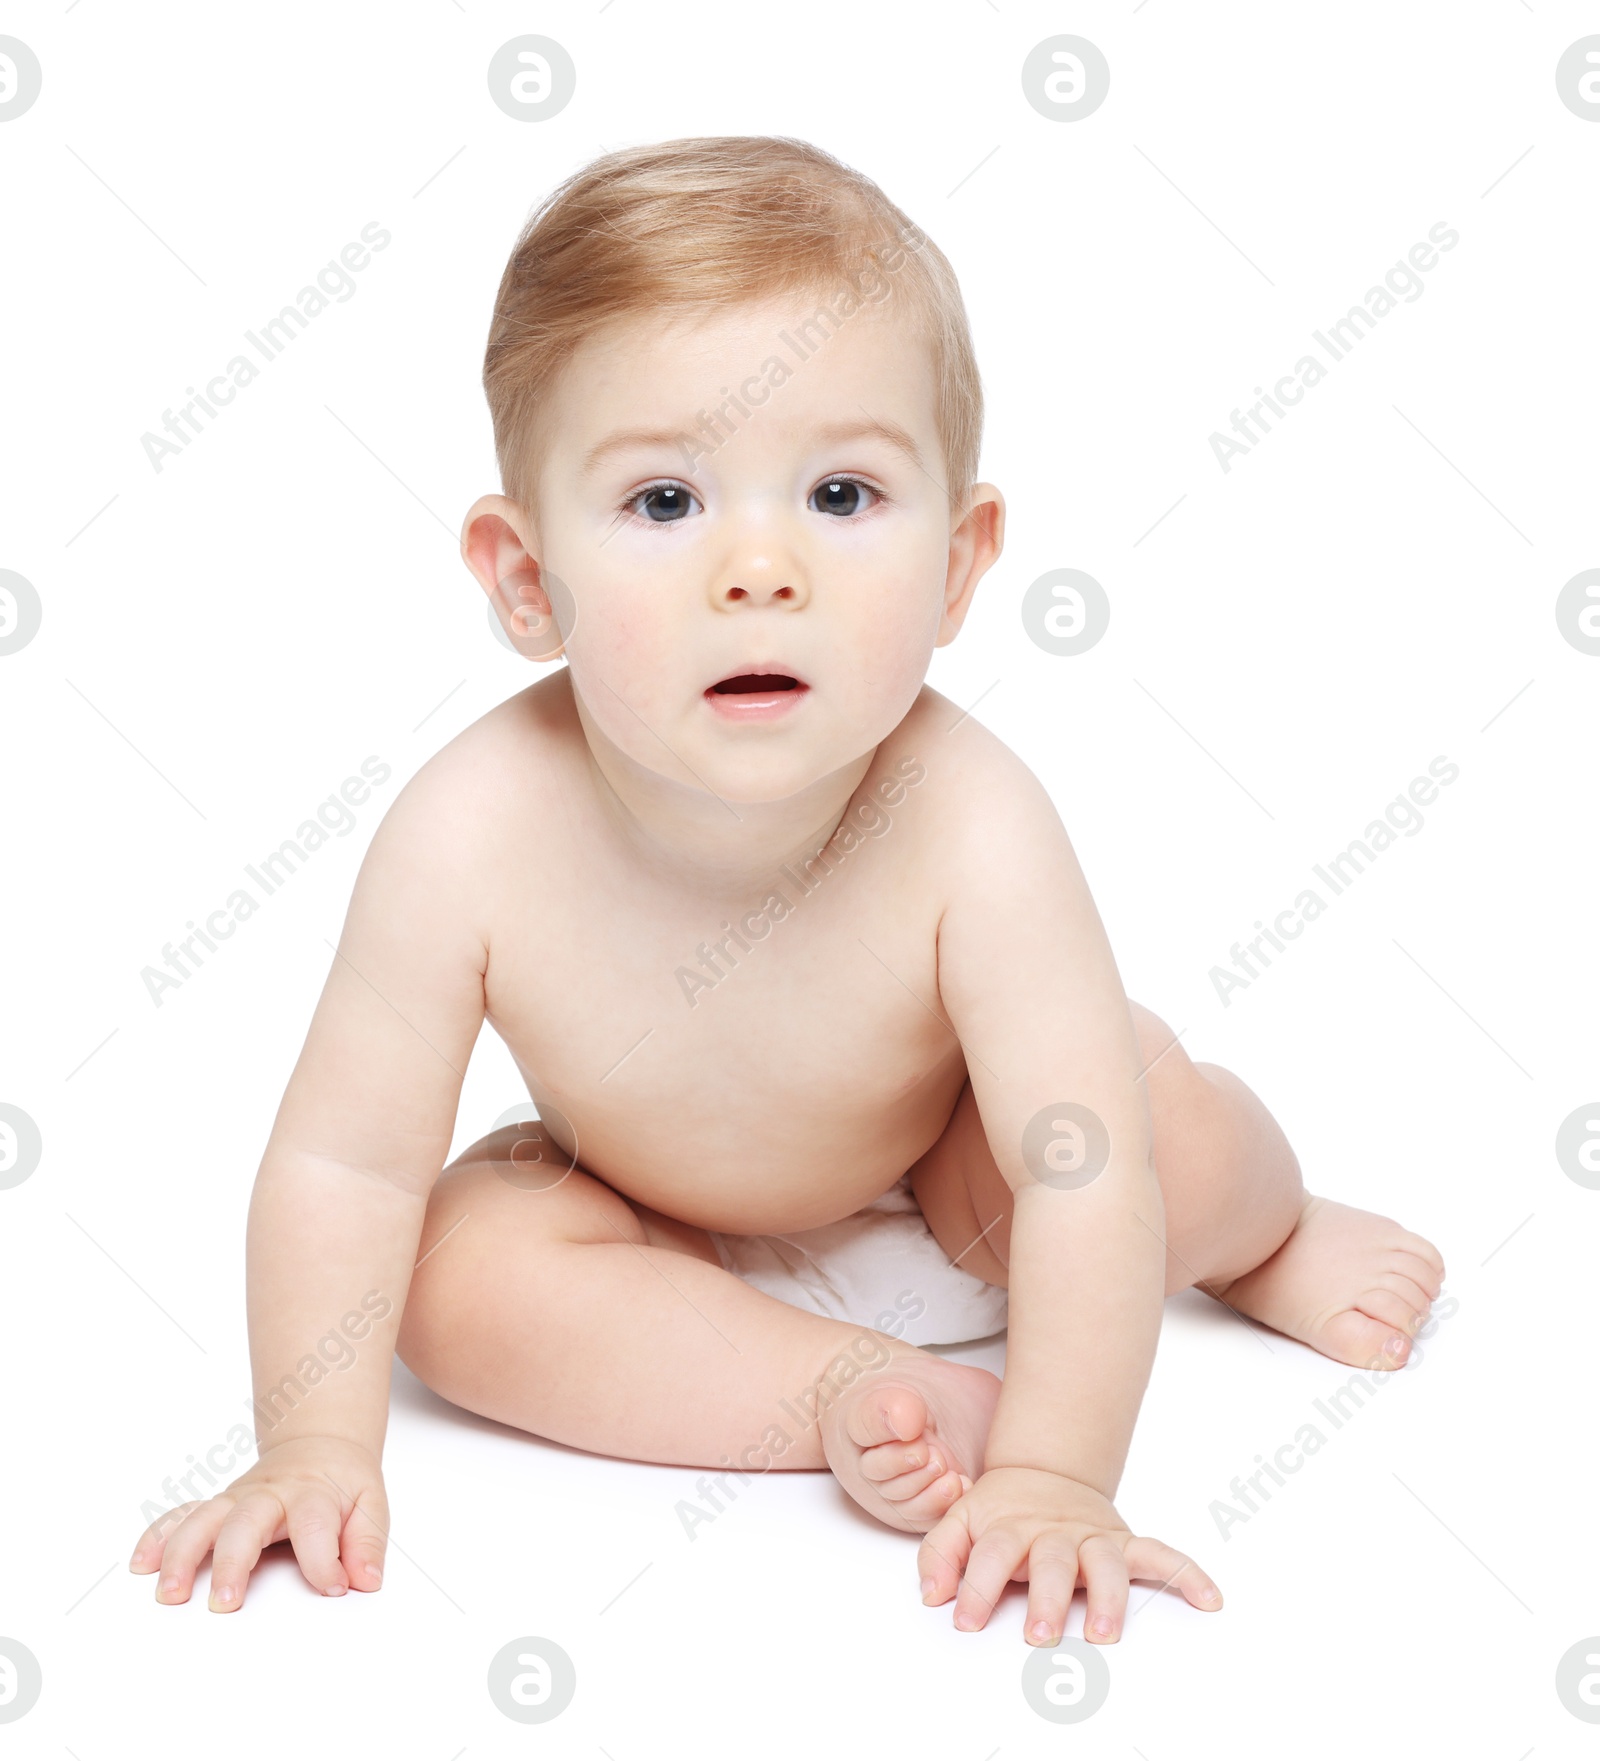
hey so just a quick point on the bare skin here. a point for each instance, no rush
(590, 867)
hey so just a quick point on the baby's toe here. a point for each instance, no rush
(1419, 1261)
(927, 1506)
(905, 1487)
(884, 1463)
(1401, 1310)
(889, 1413)
(1411, 1295)
(1365, 1340)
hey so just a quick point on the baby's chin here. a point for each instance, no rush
(756, 772)
(769, 778)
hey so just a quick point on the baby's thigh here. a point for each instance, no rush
(505, 1204)
(964, 1196)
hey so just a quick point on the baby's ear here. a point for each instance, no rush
(974, 545)
(526, 601)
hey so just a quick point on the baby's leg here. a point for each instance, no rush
(549, 1302)
(1239, 1223)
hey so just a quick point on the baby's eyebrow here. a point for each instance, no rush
(872, 428)
(624, 438)
(829, 434)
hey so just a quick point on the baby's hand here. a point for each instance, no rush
(1025, 1523)
(323, 1494)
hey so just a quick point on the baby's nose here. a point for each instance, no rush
(760, 578)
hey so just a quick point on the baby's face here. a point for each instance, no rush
(806, 540)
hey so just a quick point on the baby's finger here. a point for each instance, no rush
(153, 1542)
(252, 1525)
(1105, 1576)
(187, 1545)
(994, 1558)
(1052, 1577)
(942, 1556)
(314, 1520)
(1150, 1558)
(362, 1546)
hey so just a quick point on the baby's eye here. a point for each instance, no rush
(841, 496)
(661, 503)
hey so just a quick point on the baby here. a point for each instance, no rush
(830, 1053)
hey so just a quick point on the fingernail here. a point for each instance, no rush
(334, 1590)
(1102, 1626)
(965, 1623)
(1208, 1595)
(1041, 1629)
(138, 1558)
(222, 1598)
(927, 1588)
(168, 1586)
(1396, 1346)
(376, 1574)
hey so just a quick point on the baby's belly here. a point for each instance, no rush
(760, 1170)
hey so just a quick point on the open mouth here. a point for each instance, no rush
(759, 684)
(759, 696)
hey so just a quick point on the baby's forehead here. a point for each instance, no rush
(691, 359)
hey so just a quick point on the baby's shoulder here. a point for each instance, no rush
(970, 768)
(498, 771)
(988, 819)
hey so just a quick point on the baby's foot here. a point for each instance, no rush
(907, 1441)
(1353, 1285)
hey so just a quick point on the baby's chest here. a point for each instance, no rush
(801, 1029)
(795, 987)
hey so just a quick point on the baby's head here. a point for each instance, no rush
(737, 415)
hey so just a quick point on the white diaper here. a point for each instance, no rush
(879, 1268)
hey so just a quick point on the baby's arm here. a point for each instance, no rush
(1028, 978)
(360, 1137)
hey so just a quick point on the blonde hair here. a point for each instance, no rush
(709, 222)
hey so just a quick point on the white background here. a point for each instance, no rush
(223, 642)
